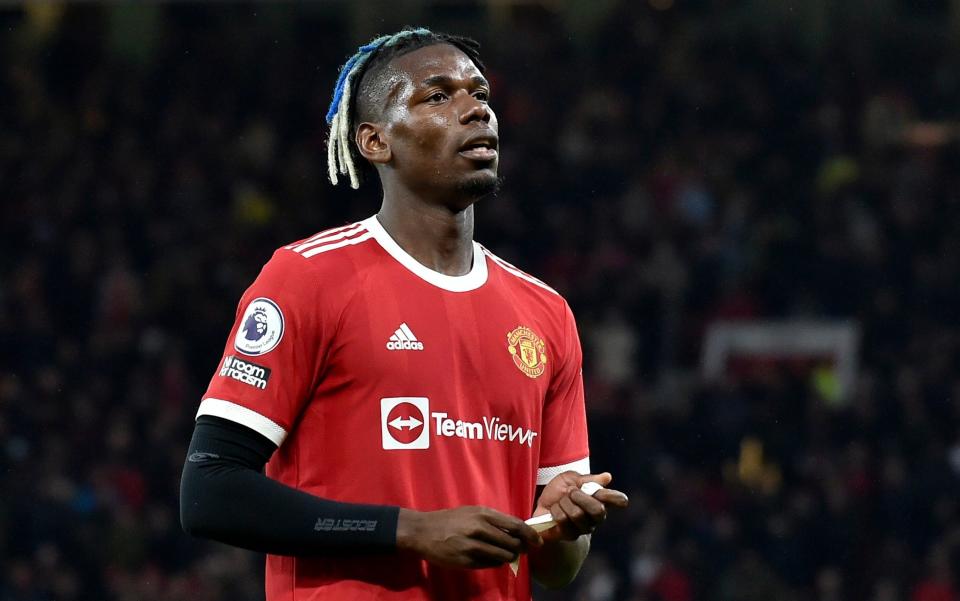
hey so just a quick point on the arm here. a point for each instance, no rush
(226, 497)
(564, 437)
(558, 562)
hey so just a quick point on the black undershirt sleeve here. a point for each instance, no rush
(225, 496)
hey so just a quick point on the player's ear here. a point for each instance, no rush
(372, 145)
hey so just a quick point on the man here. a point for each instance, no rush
(412, 395)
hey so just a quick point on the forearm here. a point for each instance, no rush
(557, 563)
(226, 497)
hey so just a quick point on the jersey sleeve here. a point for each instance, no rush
(274, 351)
(564, 445)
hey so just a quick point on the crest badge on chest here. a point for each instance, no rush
(528, 351)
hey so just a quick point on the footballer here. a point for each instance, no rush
(394, 400)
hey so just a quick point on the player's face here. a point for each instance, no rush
(441, 130)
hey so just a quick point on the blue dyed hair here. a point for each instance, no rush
(342, 111)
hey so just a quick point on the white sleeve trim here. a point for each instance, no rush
(242, 415)
(546, 474)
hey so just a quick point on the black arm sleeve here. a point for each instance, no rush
(225, 496)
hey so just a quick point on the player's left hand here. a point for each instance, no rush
(575, 512)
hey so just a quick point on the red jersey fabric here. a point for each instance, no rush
(384, 382)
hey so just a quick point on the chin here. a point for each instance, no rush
(480, 184)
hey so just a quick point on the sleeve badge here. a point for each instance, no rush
(261, 328)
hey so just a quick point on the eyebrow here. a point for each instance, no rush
(444, 80)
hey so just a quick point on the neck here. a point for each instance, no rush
(437, 236)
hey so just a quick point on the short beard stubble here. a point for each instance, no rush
(479, 188)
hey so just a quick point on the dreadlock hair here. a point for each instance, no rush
(357, 80)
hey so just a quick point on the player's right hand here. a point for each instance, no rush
(465, 537)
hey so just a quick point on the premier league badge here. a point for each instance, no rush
(260, 329)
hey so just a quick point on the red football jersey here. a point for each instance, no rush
(384, 382)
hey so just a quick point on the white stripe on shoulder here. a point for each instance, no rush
(241, 415)
(328, 232)
(546, 474)
(518, 272)
(323, 234)
(345, 242)
(328, 236)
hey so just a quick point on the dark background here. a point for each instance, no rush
(667, 163)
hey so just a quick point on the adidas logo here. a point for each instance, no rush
(404, 340)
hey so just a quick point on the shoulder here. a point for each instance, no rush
(525, 284)
(553, 311)
(319, 268)
(329, 246)
(334, 252)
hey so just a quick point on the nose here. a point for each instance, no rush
(475, 111)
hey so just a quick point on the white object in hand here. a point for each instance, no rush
(544, 522)
(590, 488)
(541, 522)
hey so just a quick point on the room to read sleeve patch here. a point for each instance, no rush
(260, 329)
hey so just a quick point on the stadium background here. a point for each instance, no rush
(667, 163)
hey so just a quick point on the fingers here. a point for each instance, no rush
(608, 496)
(565, 528)
(602, 479)
(585, 512)
(516, 527)
(501, 539)
(577, 514)
(486, 555)
(495, 536)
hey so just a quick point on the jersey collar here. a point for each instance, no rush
(452, 283)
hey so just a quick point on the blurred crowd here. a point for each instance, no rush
(667, 168)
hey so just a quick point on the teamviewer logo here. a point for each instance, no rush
(403, 423)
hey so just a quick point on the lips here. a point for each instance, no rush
(480, 148)
(479, 153)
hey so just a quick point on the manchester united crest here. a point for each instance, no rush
(528, 351)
